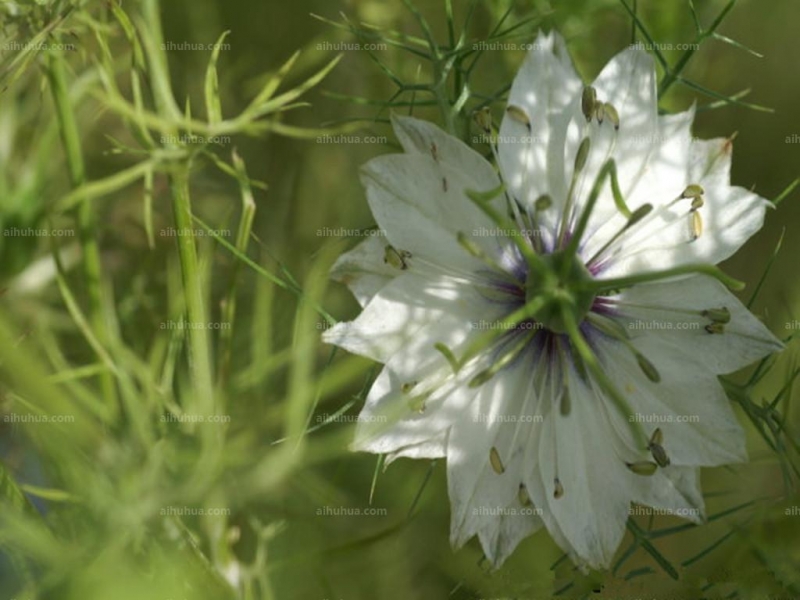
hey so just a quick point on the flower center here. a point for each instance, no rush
(563, 287)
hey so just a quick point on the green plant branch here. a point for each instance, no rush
(87, 226)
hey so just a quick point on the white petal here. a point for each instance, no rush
(363, 269)
(411, 312)
(688, 404)
(421, 137)
(435, 447)
(667, 169)
(475, 487)
(628, 83)
(545, 84)
(671, 490)
(593, 510)
(409, 201)
(730, 216)
(540, 493)
(648, 312)
(502, 535)
(391, 420)
(391, 423)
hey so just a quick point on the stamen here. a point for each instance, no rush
(417, 403)
(474, 250)
(657, 450)
(600, 112)
(580, 162)
(608, 326)
(470, 246)
(565, 405)
(718, 315)
(485, 340)
(396, 258)
(588, 102)
(609, 169)
(613, 329)
(483, 118)
(693, 190)
(644, 467)
(519, 115)
(590, 359)
(485, 375)
(582, 154)
(715, 328)
(639, 214)
(522, 495)
(657, 437)
(648, 368)
(682, 311)
(565, 402)
(481, 200)
(465, 276)
(494, 460)
(698, 203)
(696, 225)
(435, 155)
(543, 202)
(407, 387)
(612, 114)
(558, 490)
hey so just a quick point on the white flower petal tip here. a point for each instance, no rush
(561, 345)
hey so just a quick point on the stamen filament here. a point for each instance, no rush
(565, 402)
(614, 330)
(503, 326)
(581, 156)
(474, 250)
(639, 214)
(590, 360)
(462, 276)
(507, 358)
(609, 169)
(481, 200)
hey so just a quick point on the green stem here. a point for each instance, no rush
(87, 226)
(672, 75)
(153, 39)
(443, 100)
(242, 238)
(199, 348)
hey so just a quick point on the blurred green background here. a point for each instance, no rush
(288, 530)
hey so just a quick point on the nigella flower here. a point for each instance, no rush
(555, 330)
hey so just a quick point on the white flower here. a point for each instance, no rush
(559, 347)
